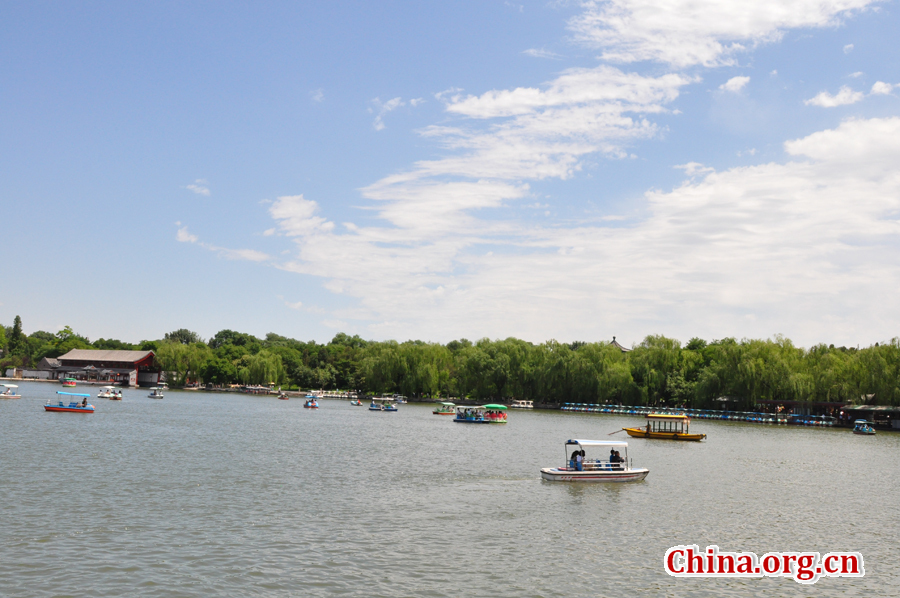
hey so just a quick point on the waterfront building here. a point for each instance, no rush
(131, 368)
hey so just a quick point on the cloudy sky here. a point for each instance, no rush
(437, 170)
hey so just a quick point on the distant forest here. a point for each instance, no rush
(658, 371)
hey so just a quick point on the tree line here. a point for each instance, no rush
(658, 371)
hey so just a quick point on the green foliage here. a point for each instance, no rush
(111, 344)
(183, 336)
(182, 363)
(16, 340)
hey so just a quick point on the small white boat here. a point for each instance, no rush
(522, 405)
(863, 427)
(9, 392)
(399, 399)
(156, 393)
(110, 392)
(595, 469)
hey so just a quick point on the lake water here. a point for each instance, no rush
(235, 495)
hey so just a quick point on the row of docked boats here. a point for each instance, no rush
(746, 416)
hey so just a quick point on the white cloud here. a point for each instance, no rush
(856, 75)
(848, 48)
(298, 305)
(881, 88)
(317, 95)
(184, 236)
(382, 108)
(695, 168)
(689, 32)
(416, 101)
(797, 246)
(844, 96)
(251, 255)
(294, 215)
(735, 84)
(199, 187)
(541, 53)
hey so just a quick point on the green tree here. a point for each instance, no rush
(183, 336)
(16, 340)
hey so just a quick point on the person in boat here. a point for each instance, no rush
(579, 461)
(618, 461)
(84, 403)
(574, 458)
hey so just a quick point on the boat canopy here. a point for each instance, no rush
(666, 417)
(493, 406)
(863, 421)
(9, 385)
(449, 404)
(597, 442)
(73, 394)
(108, 387)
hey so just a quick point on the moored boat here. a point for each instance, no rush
(445, 409)
(10, 392)
(580, 468)
(863, 427)
(665, 426)
(522, 405)
(74, 406)
(483, 414)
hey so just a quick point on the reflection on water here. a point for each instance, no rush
(213, 494)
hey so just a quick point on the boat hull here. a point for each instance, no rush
(558, 474)
(643, 433)
(67, 409)
(861, 433)
(477, 421)
(444, 412)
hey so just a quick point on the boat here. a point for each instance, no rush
(110, 392)
(383, 404)
(282, 396)
(356, 403)
(399, 399)
(74, 406)
(483, 414)
(597, 468)
(667, 427)
(68, 382)
(311, 404)
(863, 427)
(10, 392)
(445, 409)
(522, 405)
(156, 393)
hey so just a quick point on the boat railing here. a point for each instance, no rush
(602, 465)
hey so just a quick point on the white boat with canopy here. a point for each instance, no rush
(580, 467)
(156, 393)
(9, 392)
(110, 392)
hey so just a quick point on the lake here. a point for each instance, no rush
(214, 494)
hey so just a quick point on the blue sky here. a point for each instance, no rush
(567, 170)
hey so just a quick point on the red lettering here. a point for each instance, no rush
(694, 562)
(745, 564)
(849, 558)
(670, 561)
(723, 558)
(826, 564)
(786, 560)
(771, 563)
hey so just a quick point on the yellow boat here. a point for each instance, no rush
(667, 427)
